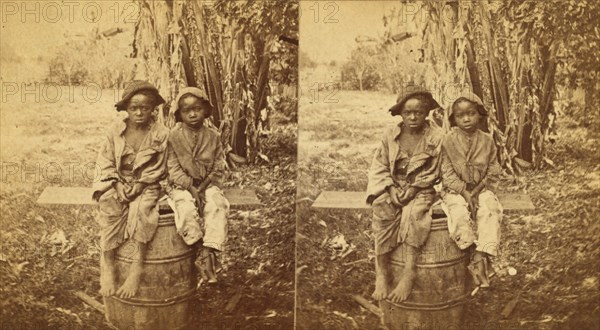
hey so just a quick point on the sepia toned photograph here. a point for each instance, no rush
(448, 165)
(148, 163)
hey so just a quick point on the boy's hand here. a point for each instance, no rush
(121, 189)
(204, 184)
(135, 190)
(472, 201)
(199, 197)
(409, 194)
(195, 193)
(396, 195)
(475, 200)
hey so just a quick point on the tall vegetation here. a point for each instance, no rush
(231, 49)
(513, 54)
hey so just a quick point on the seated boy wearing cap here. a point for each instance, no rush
(132, 161)
(196, 165)
(400, 188)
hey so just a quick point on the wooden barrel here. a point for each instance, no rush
(167, 286)
(440, 289)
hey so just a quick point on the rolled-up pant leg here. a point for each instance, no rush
(216, 209)
(142, 220)
(416, 220)
(187, 219)
(112, 218)
(460, 224)
(489, 216)
(385, 225)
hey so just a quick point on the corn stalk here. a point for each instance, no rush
(222, 47)
(496, 53)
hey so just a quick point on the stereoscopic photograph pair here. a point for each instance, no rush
(299, 165)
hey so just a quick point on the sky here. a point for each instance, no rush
(31, 32)
(33, 29)
(328, 34)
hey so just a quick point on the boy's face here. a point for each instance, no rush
(466, 116)
(193, 111)
(140, 109)
(414, 114)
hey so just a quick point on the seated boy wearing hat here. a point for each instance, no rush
(196, 166)
(132, 161)
(470, 175)
(401, 178)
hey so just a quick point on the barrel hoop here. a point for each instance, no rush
(431, 307)
(436, 227)
(176, 258)
(166, 220)
(439, 224)
(166, 223)
(446, 263)
(157, 303)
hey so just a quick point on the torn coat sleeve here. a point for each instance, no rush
(176, 173)
(490, 181)
(106, 163)
(380, 176)
(218, 169)
(450, 179)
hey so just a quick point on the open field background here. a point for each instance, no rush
(555, 248)
(47, 252)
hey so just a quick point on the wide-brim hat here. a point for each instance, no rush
(195, 91)
(409, 92)
(134, 87)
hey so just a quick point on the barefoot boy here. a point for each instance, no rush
(132, 161)
(196, 164)
(470, 173)
(400, 188)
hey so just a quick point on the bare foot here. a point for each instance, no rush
(206, 263)
(381, 288)
(107, 281)
(132, 282)
(478, 269)
(404, 287)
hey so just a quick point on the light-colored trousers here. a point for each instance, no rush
(484, 232)
(187, 219)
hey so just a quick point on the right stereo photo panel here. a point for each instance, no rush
(447, 164)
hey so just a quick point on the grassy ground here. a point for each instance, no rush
(49, 144)
(555, 248)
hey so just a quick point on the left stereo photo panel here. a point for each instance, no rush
(148, 162)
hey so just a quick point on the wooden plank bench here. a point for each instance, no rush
(356, 200)
(83, 196)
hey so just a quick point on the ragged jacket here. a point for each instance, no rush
(423, 167)
(469, 163)
(149, 166)
(204, 159)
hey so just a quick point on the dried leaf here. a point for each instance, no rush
(264, 157)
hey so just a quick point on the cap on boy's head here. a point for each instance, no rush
(134, 87)
(193, 91)
(471, 97)
(409, 92)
